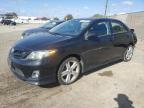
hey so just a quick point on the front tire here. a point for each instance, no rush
(69, 71)
(128, 53)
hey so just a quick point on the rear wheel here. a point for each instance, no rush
(128, 53)
(69, 71)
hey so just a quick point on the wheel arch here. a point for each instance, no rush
(78, 56)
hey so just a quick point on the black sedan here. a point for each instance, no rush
(8, 22)
(70, 49)
(44, 28)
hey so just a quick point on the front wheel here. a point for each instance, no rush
(69, 71)
(128, 53)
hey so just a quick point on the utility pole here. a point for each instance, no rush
(106, 6)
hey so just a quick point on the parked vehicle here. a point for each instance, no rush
(8, 22)
(70, 49)
(44, 28)
(1, 19)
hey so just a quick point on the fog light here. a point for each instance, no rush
(35, 74)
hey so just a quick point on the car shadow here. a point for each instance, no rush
(51, 85)
(123, 101)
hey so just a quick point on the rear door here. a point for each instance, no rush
(120, 37)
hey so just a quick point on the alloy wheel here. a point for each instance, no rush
(129, 53)
(69, 71)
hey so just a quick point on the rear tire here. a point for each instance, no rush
(128, 53)
(69, 71)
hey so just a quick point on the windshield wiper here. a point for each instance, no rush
(55, 33)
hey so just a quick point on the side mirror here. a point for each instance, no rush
(132, 30)
(91, 35)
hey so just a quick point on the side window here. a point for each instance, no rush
(100, 29)
(118, 27)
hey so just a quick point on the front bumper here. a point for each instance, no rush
(24, 69)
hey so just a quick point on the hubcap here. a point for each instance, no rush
(70, 72)
(129, 53)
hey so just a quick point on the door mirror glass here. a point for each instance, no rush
(91, 34)
(132, 30)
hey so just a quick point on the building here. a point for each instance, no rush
(29, 19)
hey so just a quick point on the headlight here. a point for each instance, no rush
(38, 55)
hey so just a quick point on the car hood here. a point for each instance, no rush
(41, 41)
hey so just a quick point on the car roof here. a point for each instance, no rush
(97, 19)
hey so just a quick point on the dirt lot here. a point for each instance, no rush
(120, 85)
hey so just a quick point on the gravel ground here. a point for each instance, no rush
(119, 85)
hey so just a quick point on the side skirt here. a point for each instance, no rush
(102, 65)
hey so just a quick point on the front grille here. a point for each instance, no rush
(20, 53)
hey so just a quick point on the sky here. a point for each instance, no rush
(78, 8)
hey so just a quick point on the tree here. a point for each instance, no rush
(68, 17)
(11, 15)
(98, 16)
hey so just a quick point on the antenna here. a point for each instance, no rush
(106, 6)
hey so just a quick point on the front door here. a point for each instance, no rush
(98, 47)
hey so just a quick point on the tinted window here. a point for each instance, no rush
(118, 27)
(100, 29)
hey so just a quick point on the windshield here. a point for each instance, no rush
(49, 25)
(72, 27)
